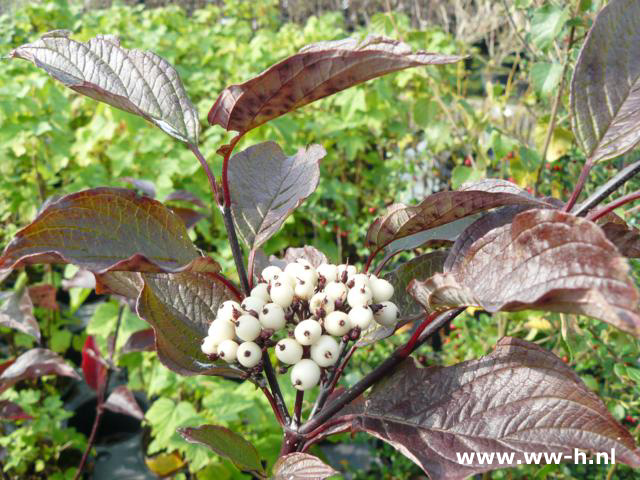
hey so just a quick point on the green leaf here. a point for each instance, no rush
(166, 417)
(634, 374)
(546, 24)
(136, 81)
(104, 229)
(227, 444)
(605, 89)
(462, 174)
(546, 77)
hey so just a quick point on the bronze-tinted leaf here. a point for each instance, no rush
(106, 229)
(188, 215)
(227, 444)
(35, 363)
(16, 311)
(625, 237)
(140, 341)
(543, 260)
(180, 307)
(316, 71)
(499, 403)
(44, 296)
(266, 186)
(121, 400)
(126, 284)
(439, 209)
(311, 254)
(301, 466)
(12, 411)
(605, 89)
(136, 81)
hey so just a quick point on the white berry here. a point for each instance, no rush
(350, 269)
(304, 289)
(252, 304)
(381, 289)
(220, 330)
(272, 316)
(248, 328)
(337, 323)
(282, 294)
(284, 277)
(228, 350)
(325, 351)
(208, 346)
(260, 291)
(288, 351)
(229, 310)
(388, 315)
(361, 317)
(359, 296)
(294, 269)
(320, 305)
(328, 271)
(269, 272)
(308, 274)
(249, 354)
(305, 374)
(337, 291)
(307, 332)
(360, 280)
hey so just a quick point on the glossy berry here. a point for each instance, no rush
(248, 328)
(388, 315)
(325, 351)
(228, 310)
(208, 346)
(328, 271)
(260, 291)
(320, 305)
(220, 330)
(337, 323)
(288, 351)
(304, 289)
(294, 269)
(272, 316)
(359, 296)
(282, 294)
(381, 290)
(227, 350)
(249, 354)
(252, 304)
(307, 332)
(360, 280)
(269, 272)
(305, 374)
(285, 278)
(361, 317)
(337, 291)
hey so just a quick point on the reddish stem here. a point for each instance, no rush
(229, 284)
(584, 175)
(225, 169)
(370, 259)
(297, 410)
(610, 207)
(410, 345)
(210, 176)
(274, 406)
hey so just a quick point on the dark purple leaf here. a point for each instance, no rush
(81, 279)
(93, 366)
(35, 363)
(316, 71)
(16, 311)
(44, 296)
(140, 341)
(125, 284)
(188, 215)
(543, 260)
(301, 466)
(311, 254)
(185, 196)
(135, 81)
(121, 400)
(261, 203)
(518, 399)
(605, 93)
(145, 186)
(624, 236)
(227, 444)
(180, 307)
(441, 208)
(12, 411)
(106, 229)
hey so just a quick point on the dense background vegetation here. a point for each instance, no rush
(398, 138)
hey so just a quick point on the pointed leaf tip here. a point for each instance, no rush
(136, 81)
(316, 71)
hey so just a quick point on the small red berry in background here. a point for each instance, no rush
(565, 359)
(372, 209)
(467, 160)
(344, 233)
(557, 168)
(324, 223)
(510, 155)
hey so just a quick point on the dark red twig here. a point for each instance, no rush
(610, 207)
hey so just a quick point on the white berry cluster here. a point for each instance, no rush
(310, 307)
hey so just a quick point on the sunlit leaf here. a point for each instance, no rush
(500, 403)
(266, 186)
(180, 307)
(104, 229)
(301, 466)
(16, 311)
(315, 72)
(121, 400)
(227, 444)
(136, 81)
(543, 260)
(605, 90)
(35, 363)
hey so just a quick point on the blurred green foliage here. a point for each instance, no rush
(397, 138)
